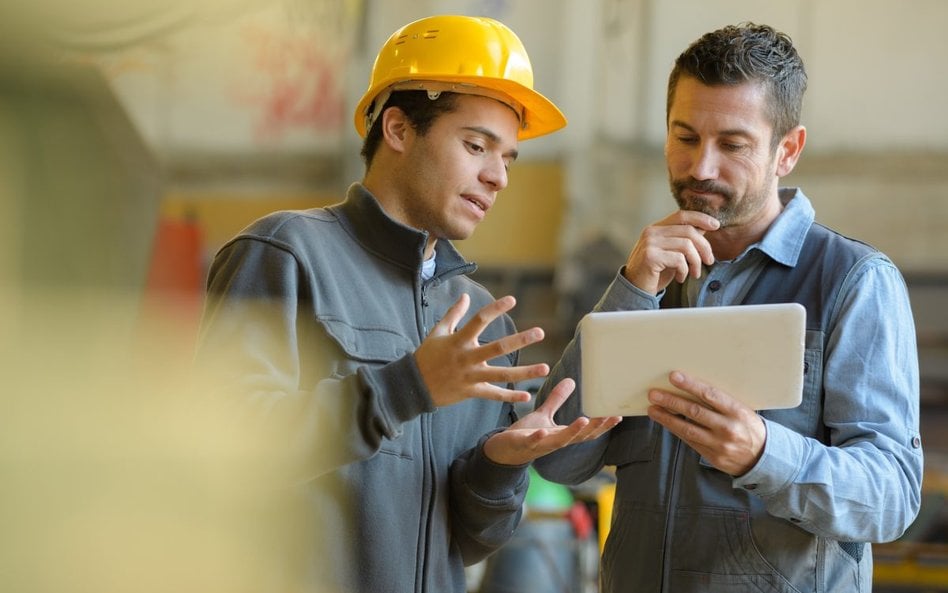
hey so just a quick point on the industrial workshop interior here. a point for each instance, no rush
(137, 137)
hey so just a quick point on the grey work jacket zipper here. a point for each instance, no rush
(673, 493)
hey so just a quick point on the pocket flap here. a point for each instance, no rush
(367, 343)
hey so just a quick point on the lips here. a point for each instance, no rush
(479, 202)
(704, 194)
(707, 188)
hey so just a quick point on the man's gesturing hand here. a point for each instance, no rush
(537, 433)
(454, 365)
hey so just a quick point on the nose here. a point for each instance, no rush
(705, 164)
(494, 173)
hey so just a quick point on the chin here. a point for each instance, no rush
(458, 235)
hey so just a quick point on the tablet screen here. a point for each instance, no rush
(753, 352)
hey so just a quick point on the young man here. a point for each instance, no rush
(711, 495)
(355, 330)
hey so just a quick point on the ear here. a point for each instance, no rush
(396, 128)
(789, 150)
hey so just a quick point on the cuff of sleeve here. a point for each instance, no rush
(622, 295)
(783, 456)
(495, 481)
(401, 393)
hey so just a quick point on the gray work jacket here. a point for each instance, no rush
(312, 320)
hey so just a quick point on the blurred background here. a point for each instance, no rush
(137, 136)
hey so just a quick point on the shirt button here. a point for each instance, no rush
(916, 442)
(714, 285)
(750, 487)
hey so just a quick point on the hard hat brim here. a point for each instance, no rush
(540, 115)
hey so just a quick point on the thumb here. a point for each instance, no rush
(558, 395)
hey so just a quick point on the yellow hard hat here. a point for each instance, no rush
(462, 54)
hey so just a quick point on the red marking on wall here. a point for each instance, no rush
(295, 83)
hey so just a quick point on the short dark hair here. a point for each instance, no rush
(743, 53)
(418, 108)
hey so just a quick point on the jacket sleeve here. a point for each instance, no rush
(250, 354)
(486, 502)
(865, 484)
(576, 463)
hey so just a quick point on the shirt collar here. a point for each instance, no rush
(784, 239)
(428, 267)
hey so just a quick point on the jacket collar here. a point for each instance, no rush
(363, 217)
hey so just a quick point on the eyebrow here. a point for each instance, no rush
(734, 132)
(494, 138)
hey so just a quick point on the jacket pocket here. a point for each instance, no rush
(367, 343)
(370, 345)
(633, 440)
(725, 556)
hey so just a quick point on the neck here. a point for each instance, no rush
(430, 247)
(730, 241)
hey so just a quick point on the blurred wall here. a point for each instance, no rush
(875, 162)
(255, 99)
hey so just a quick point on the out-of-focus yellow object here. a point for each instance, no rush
(605, 499)
(117, 475)
(911, 564)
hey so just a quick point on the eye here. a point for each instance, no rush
(688, 139)
(732, 147)
(474, 147)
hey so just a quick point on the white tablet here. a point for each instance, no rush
(753, 352)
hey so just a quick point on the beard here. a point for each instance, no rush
(734, 210)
